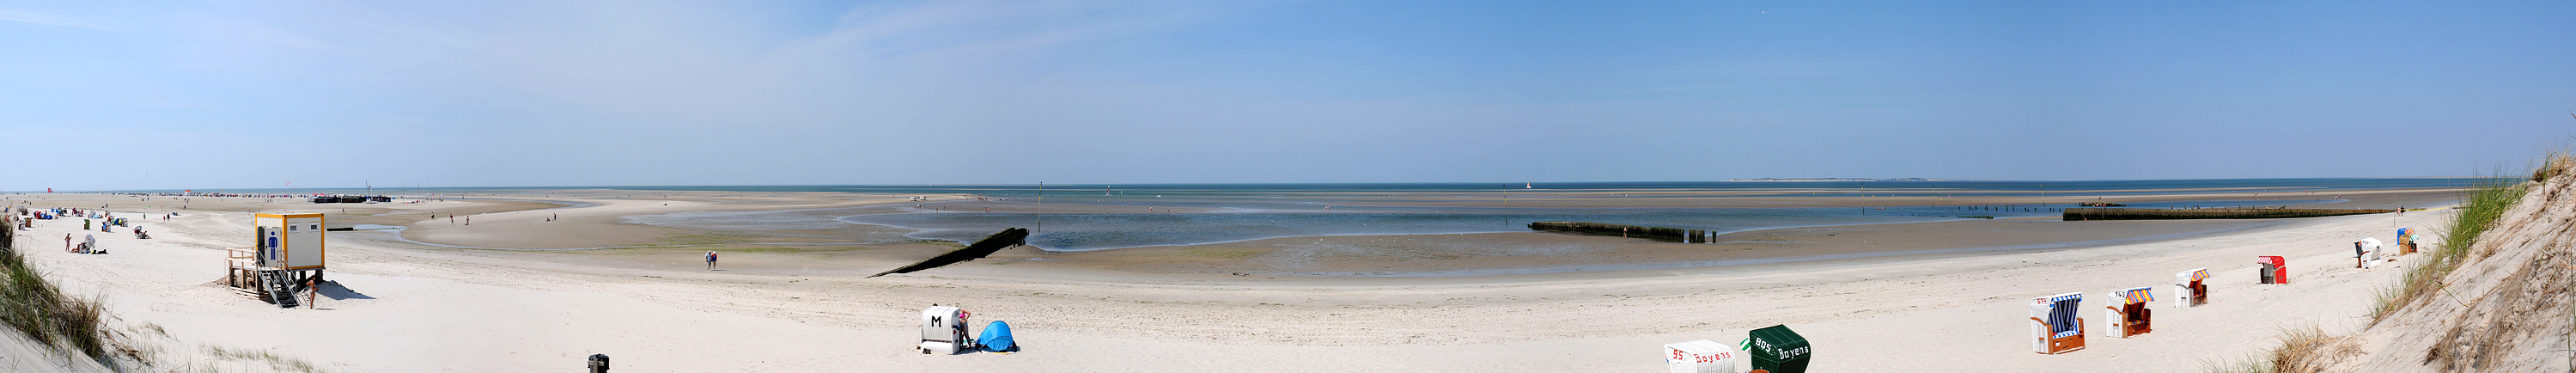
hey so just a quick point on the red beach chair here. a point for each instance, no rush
(2274, 271)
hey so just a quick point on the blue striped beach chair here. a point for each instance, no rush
(2054, 326)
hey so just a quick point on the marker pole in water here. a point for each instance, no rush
(1033, 232)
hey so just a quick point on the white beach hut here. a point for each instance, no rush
(1701, 356)
(287, 252)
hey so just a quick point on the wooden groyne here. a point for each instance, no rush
(996, 242)
(1630, 231)
(2077, 214)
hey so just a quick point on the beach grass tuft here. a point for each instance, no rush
(275, 361)
(2558, 164)
(40, 311)
(2302, 350)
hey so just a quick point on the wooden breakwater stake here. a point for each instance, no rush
(2075, 214)
(1615, 230)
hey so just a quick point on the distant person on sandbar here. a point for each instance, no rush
(711, 260)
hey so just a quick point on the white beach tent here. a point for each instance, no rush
(1701, 356)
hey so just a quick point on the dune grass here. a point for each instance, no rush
(275, 360)
(2302, 350)
(2478, 210)
(35, 308)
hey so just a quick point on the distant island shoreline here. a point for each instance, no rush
(1838, 179)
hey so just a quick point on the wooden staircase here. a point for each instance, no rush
(279, 291)
(268, 284)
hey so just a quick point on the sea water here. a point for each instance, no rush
(1241, 212)
(1097, 231)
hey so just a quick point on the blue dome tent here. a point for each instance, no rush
(997, 338)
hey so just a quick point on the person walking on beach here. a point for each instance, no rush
(67, 242)
(711, 259)
(315, 295)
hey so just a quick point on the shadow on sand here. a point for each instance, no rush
(333, 290)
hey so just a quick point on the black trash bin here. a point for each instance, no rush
(599, 363)
(1779, 350)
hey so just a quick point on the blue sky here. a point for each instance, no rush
(205, 95)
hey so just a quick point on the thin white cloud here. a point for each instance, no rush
(45, 19)
(995, 26)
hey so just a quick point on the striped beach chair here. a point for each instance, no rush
(2189, 291)
(2131, 317)
(2054, 326)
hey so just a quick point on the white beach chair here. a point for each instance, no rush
(2054, 326)
(2130, 316)
(943, 330)
(2188, 289)
(1701, 356)
(2366, 253)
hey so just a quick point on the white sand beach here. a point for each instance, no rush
(399, 306)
